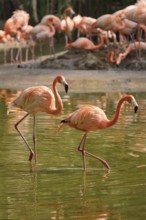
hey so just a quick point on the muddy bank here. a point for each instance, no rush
(117, 80)
(76, 59)
(85, 71)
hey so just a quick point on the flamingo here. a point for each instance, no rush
(39, 99)
(67, 24)
(132, 46)
(91, 118)
(55, 21)
(15, 25)
(41, 33)
(77, 19)
(85, 25)
(84, 43)
(108, 22)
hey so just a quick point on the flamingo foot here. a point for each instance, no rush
(98, 158)
(31, 156)
(105, 164)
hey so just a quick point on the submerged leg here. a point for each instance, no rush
(24, 139)
(81, 148)
(34, 139)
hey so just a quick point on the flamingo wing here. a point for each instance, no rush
(87, 118)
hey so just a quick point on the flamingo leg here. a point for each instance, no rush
(81, 148)
(24, 139)
(98, 158)
(34, 138)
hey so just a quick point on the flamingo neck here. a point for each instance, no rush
(127, 51)
(117, 113)
(100, 44)
(51, 27)
(65, 14)
(58, 100)
(112, 58)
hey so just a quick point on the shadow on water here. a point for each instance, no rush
(57, 188)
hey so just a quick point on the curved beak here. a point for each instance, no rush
(135, 109)
(66, 87)
(65, 84)
(135, 105)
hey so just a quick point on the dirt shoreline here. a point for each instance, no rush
(111, 80)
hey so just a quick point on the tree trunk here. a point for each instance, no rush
(34, 9)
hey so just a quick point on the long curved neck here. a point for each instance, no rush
(65, 14)
(117, 113)
(127, 51)
(100, 44)
(111, 57)
(58, 99)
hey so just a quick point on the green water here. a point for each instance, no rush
(58, 188)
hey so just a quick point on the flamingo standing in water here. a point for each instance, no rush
(91, 118)
(39, 99)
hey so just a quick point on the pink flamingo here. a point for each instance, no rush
(67, 24)
(131, 47)
(91, 118)
(55, 21)
(39, 99)
(84, 43)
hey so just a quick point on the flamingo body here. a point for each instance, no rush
(83, 43)
(88, 118)
(39, 99)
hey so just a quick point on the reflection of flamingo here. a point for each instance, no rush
(91, 118)
(84, 43)
(131, 47)
(39, 99)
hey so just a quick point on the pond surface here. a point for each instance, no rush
(57, 187)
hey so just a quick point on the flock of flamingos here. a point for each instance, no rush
(124, 30)
(37, 99)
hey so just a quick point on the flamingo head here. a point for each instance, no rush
(120, 58)
(61, 79)
(130, 99)
(69, 10)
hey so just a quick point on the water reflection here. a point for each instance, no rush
(57, 188)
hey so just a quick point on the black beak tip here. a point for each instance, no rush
(135, 109)
(66, 88)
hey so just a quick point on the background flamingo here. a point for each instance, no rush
(67, 24)
(39, 99)
(131, 47)
(91, 118)
(84, 43)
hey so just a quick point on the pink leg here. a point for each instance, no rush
(24, 139)
(34, 139)
(81, 148)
